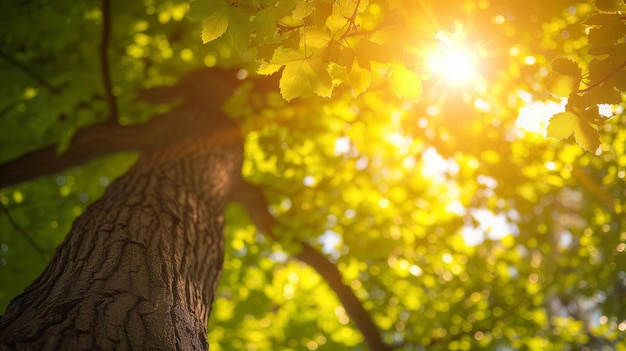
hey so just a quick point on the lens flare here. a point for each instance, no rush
(452, 61)
(454, 64)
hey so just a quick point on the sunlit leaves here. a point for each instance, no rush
(563, 124)
(610, 5)
(360, 79)
(216, 23)
(605, 80)
(301, 74)
(311, 40)
(586, 135)
(401, 247)
(606, 29)
(565, 77)
(221, 16)
(404, 82)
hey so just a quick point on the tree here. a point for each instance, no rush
(427, 209)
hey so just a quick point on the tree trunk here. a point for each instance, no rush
(138, 270)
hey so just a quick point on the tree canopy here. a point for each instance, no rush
(413, 143)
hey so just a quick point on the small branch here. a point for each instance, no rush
(104, 61)
(30, 73)
(21, 230)
(255, 204)
(283, 28)
(352, 26)
(612, 73)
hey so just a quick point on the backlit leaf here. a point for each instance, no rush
(586, 135)
(564, 78)
(302, 74)
(215, 25)
(360, 79)
(562, 125)
(404, 82)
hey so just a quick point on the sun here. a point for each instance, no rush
(452, 62)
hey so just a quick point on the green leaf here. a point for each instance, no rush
(265, 26)
(239, 28)
(561, 125)
(586, 135)
(565, 77)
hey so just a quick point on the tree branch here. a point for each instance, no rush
(106, 137)
(104, 62)
(254, 202)
(30, 73)
(609, 75)
(87, 144)
(21, 230)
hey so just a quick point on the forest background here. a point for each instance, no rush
(404, 142)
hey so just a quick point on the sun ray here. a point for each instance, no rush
(452, 62)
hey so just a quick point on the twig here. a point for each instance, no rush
(352, 26)
(283, 28)
(51, 88)
(104, 61)
(22, 232)
(612, 73)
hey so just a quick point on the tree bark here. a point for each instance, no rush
(139, 268)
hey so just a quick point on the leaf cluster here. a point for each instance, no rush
(604, 83)
(316, 45)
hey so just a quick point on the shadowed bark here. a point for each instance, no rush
(139, 268)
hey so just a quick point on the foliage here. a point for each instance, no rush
(605, 81)
(457, 224)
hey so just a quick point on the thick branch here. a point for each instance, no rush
(253, 200)
(87, 144)
(104, 61)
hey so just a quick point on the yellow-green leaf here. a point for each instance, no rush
(360, 79)
(564, 78)
(562, 125)
(215, 25)
(302, 74)
(586, 135)
(267, 68)
(303, 9)
(404, 82)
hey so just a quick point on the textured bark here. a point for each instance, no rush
(139, 268)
